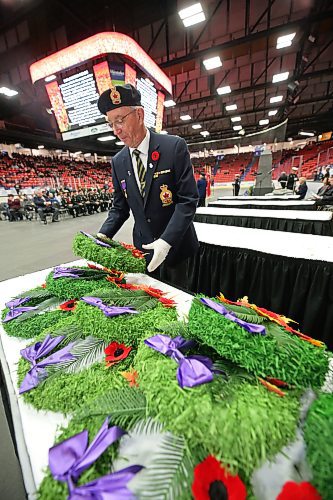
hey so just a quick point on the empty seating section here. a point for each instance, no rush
(30, 172)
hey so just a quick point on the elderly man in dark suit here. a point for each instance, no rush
(152, 176)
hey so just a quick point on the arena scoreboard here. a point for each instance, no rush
(75, 77)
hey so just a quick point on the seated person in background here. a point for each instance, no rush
(28, 206)
(94, 199)
(327, 197)
(15, 210)
(322, 189)
(44, 206)
(283, 180)
(54, 202)
(302, 188)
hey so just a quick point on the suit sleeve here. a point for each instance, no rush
(187, 196)
(119, 212)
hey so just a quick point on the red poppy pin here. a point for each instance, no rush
(155, 155)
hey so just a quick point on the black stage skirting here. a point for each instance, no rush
(321, 228)
(298, 288)
(264, 205)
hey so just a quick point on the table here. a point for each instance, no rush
(295, 221)
(35, 430)
(269, 205)
(266, 197)
(291, 274)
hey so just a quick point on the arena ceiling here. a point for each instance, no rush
(243, 33)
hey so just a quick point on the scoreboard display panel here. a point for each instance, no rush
(74, 98)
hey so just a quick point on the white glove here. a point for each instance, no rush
(101, 235)
(161, 249)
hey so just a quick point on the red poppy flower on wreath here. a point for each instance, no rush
(115, 353)
(155, 155)
(298, 491)
(212, 480)
(43, 285)
(69, 305)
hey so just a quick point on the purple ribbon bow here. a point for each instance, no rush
(37, 372)
(250, 327)
(68, 459)
(66, 272)
(110, 487)
(98, 242)
(15, 310)
(192, 370)
(109, 311)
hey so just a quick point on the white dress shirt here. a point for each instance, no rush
(143, 147)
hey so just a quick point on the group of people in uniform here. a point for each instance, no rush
(76, 202)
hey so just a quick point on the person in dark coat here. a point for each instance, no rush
(237, 183)
(283, 179)
(152, 177)
(202, 188)
(292, 178)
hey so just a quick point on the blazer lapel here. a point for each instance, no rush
(151, 163)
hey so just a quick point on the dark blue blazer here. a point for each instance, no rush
(170, 200)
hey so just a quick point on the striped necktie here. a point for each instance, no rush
(141, 171)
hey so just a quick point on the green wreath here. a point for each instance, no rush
(116, 257)
(319, 441)
(32, 323)
(277, 354)
(74, 288)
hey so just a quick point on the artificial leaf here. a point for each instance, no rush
(168, 467)
(45, 306)
(125, 406)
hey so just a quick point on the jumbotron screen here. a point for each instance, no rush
(74, 96)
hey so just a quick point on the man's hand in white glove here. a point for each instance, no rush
(101, 235)
(161, 249)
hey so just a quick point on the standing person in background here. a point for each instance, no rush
(152, 177)
(302, 188)
(283, 180)
(202, 189)
(237, 184)
(292, 178)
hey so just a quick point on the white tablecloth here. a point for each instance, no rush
(277, 214)
(304, 246)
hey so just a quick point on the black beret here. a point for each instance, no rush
(117, 97)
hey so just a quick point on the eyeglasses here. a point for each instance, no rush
(120, 121)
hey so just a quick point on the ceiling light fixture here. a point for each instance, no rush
(8, 92)
(264, 122)
(285, 40)
(169, 103)
(236, 119)
(164, 132)
(120, 143)
(192, 15)
(196, 126)
(231, 107)
(280, 77)
(204, 133)
(185, 117)
(241, 132)
(237, 127)
(212, 63)
(223, 90)
(272, 112)
(277, 98)
(309, 134)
